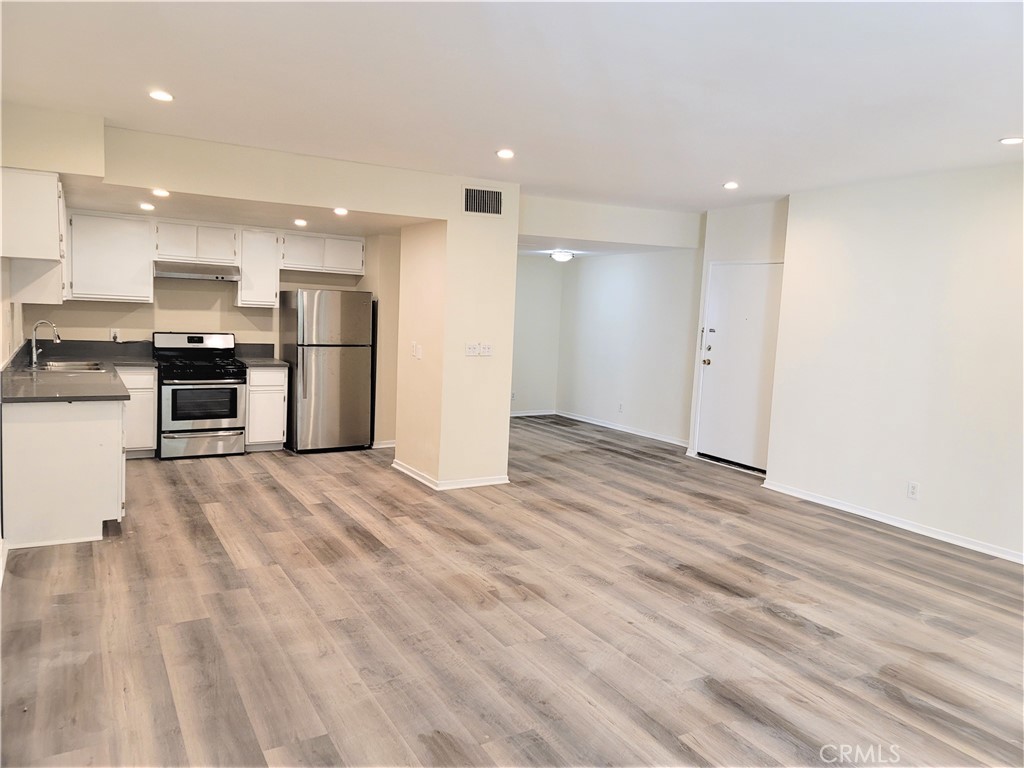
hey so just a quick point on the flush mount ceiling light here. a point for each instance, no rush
(341, 211)
(161, 96)
(300, 222)
(1012, 140)
(560, 255)
(147, 206)
(731, 185)
(161, 192)
(505, 154)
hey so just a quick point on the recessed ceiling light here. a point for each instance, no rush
(505, 154)
(560, 255)
(731, 185)
(147, 206)
(161, 96)
(1012, 140)
(300, 222)
(161, 192)
(341, 211)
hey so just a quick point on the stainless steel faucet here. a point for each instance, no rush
(35, 343)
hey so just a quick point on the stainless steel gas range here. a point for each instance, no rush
(202, 395)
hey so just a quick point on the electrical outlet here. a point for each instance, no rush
(620, 407)
(472, 350)
(513, 395)
(485, 349)
(115, 334)
(414, 349)
(913, 490)
(418, 353)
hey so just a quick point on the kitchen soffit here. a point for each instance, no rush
(92, 194)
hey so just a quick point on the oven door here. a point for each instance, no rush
(201, 405)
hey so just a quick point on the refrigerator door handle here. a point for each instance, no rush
(302, 373)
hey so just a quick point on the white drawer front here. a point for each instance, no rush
(268, 377)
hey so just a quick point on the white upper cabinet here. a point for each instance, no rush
(32, 226)
(175, 242)
(303, 252)
(261, 264)
(216, 245)
(111, 257)
(343, 256)
(181, 241)
(316, 253)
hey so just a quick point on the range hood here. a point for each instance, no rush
(191, 271)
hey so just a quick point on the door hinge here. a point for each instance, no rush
(122, 505)
(60, 193)
(62, 286)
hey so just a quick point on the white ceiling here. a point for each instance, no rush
(643, 104)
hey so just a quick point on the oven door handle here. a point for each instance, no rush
(188, 435)
(204, 381)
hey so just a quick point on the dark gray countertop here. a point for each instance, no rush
(19, 384)
(26, 386)
(263, 362)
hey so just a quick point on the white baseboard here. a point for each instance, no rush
(623, 428)
(899, 522)
(447, 485)
(383, 443)
(541, 412)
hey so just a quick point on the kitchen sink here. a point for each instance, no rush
(70, 366)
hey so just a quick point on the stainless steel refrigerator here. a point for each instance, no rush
(327, 341)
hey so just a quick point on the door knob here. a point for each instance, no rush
(706, 361)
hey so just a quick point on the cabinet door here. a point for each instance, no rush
(140, 420)
(175, 242)
(31, 215)
(344, 256)
(111, 258)
(303, 252)
(261, 264)
(216, 245)
(265, 420)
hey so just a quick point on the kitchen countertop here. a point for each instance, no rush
(20, 385)
(263, 362)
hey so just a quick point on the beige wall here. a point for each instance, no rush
(480, 286)
(41, 139)
(900, 354)
(627, 334)
(538, 315)
(577, 220)
(421, 326)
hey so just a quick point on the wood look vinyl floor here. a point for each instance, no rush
(616, 604)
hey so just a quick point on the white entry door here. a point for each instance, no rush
(741, 326)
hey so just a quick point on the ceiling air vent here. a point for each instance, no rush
(483, 201)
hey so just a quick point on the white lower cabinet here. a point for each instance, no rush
(267, 408)
(140, 411)
(63, 471)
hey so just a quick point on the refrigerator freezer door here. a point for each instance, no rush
(334, 317)
(331, 398)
